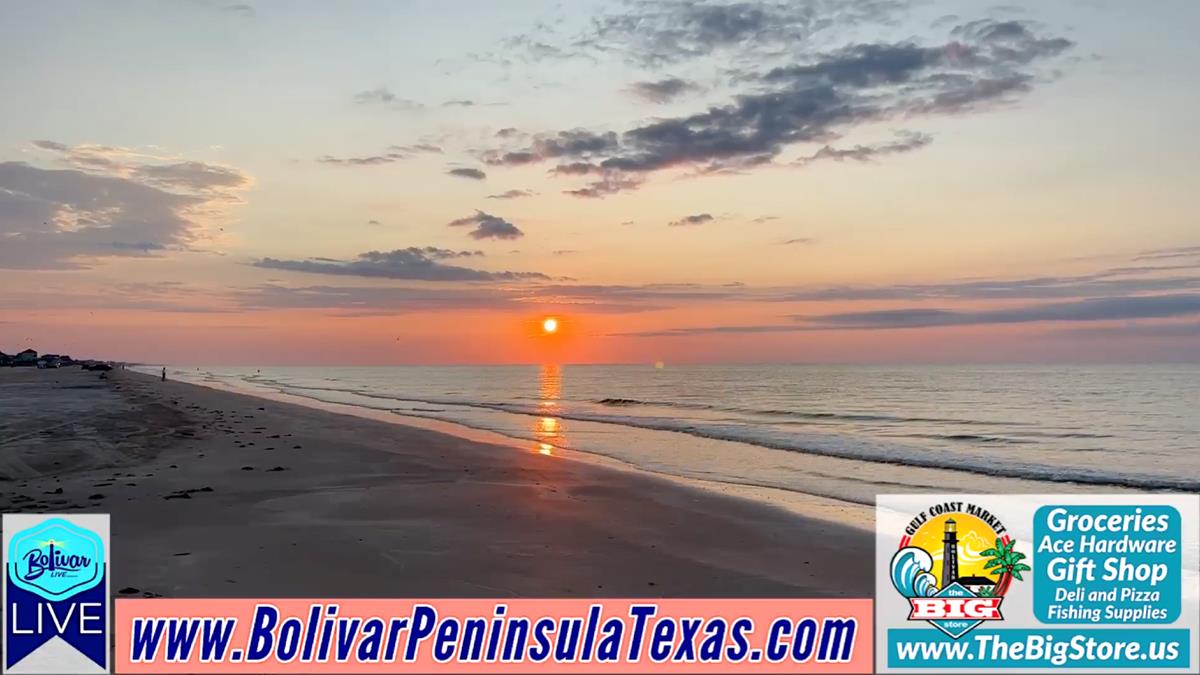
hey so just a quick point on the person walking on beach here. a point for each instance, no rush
(164, 374)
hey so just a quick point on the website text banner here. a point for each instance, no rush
(1038, 583)
(502, 636)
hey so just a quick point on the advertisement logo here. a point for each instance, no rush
(56, 559)
(1083, 582)
(955, 564)
(56, 593)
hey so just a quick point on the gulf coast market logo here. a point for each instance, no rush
(955, 564)
(55, 587)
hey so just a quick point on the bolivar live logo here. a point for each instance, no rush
(56, 593)
(955, 564)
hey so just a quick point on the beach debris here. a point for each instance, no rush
(129, 590)
(247, 468)
(187, 494)
(277, 468)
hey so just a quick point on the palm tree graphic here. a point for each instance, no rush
(1006, 562)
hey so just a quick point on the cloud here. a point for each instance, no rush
(368, 300)
(643, 293)
(819, 97)
(1088, 310)
(1111, 282)
(1091, 309)
(241, 9)
(413, 263)
(60, 218)
(114, 202)
(460, 103)
(52, 145)
(907, 142)
(697, 219)
(488, 226)
(1134, 330)
(158, 296)
(474, 174)
(663, 91)
(382, 96)
(369, 160)
(391, 154)
(193, 176)
(1168, 253)
(512, 194)
(371, 300)
(164, 171)
(576, 169)
(525, 294)
(575, 143)
(610, 183)
(654, 34)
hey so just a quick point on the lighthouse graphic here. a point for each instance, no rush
(950, 553)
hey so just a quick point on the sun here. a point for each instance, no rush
(550, 325)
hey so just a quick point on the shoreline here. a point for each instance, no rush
(808, 505)
(223, 494)
(809, 484)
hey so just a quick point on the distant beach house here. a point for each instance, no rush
(975, 584)
(29, 357)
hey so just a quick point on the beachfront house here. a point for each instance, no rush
(29, 357)
(977, 584)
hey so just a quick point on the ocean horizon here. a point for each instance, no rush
(846, 432)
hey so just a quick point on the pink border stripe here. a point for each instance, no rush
(762, 612)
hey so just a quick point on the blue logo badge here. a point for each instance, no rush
(56, 559)
(56, 591)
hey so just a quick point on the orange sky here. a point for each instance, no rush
(386, 184)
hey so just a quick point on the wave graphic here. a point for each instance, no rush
(911, 573)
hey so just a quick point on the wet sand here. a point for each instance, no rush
(218, 494)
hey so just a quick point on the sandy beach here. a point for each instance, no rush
(218, 494)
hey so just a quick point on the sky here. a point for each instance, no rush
(310, 183)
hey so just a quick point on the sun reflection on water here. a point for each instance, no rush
(548, 430)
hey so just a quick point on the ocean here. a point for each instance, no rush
(846, 432)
